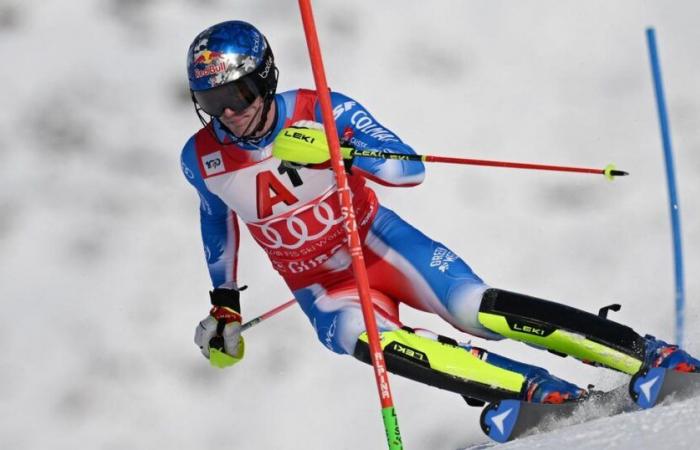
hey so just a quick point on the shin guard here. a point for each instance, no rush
(562, 330)
(445, 365)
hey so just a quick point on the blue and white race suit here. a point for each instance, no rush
(295, 217)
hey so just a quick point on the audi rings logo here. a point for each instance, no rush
(293, 232)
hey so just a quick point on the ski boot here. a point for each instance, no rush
(540, 386)
(543, 387)
(667, 356)
(667, 371)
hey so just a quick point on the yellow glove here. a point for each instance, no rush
(301, 144)
(219, 334)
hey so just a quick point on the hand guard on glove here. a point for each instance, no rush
(219, 334)
(305, 143)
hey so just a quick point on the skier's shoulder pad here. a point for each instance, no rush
(289, 98)
(189, 163)
(300, 103)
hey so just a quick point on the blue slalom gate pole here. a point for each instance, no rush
(671, 179)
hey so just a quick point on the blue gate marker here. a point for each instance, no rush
(671, 178)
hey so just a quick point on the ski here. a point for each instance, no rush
(505, 420)
(652, 386)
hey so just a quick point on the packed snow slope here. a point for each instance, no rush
(670, 425)
(102, 274)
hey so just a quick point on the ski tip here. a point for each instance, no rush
(499, 418)
(645, 386)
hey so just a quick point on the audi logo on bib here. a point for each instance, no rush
(298, 232)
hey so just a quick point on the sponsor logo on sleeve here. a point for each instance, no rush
(442, 259)
(330, 333)
(213, 163)
(342, 108)
(364, 123)
(204, 204)
(187, 171)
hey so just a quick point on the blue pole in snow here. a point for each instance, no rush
(671, 178)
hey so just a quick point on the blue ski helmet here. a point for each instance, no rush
(229, 65)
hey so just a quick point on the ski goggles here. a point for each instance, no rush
(236, 95)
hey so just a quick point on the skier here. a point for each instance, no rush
(291, 210)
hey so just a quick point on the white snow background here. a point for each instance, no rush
(102, 274)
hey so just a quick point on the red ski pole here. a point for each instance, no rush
(609, 171)
(267, 315)
(358, 265)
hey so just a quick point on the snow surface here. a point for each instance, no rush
(668, 425)
(102, 278)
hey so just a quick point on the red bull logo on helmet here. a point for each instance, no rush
(210, 70)
(207, 56)
(212, 62)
